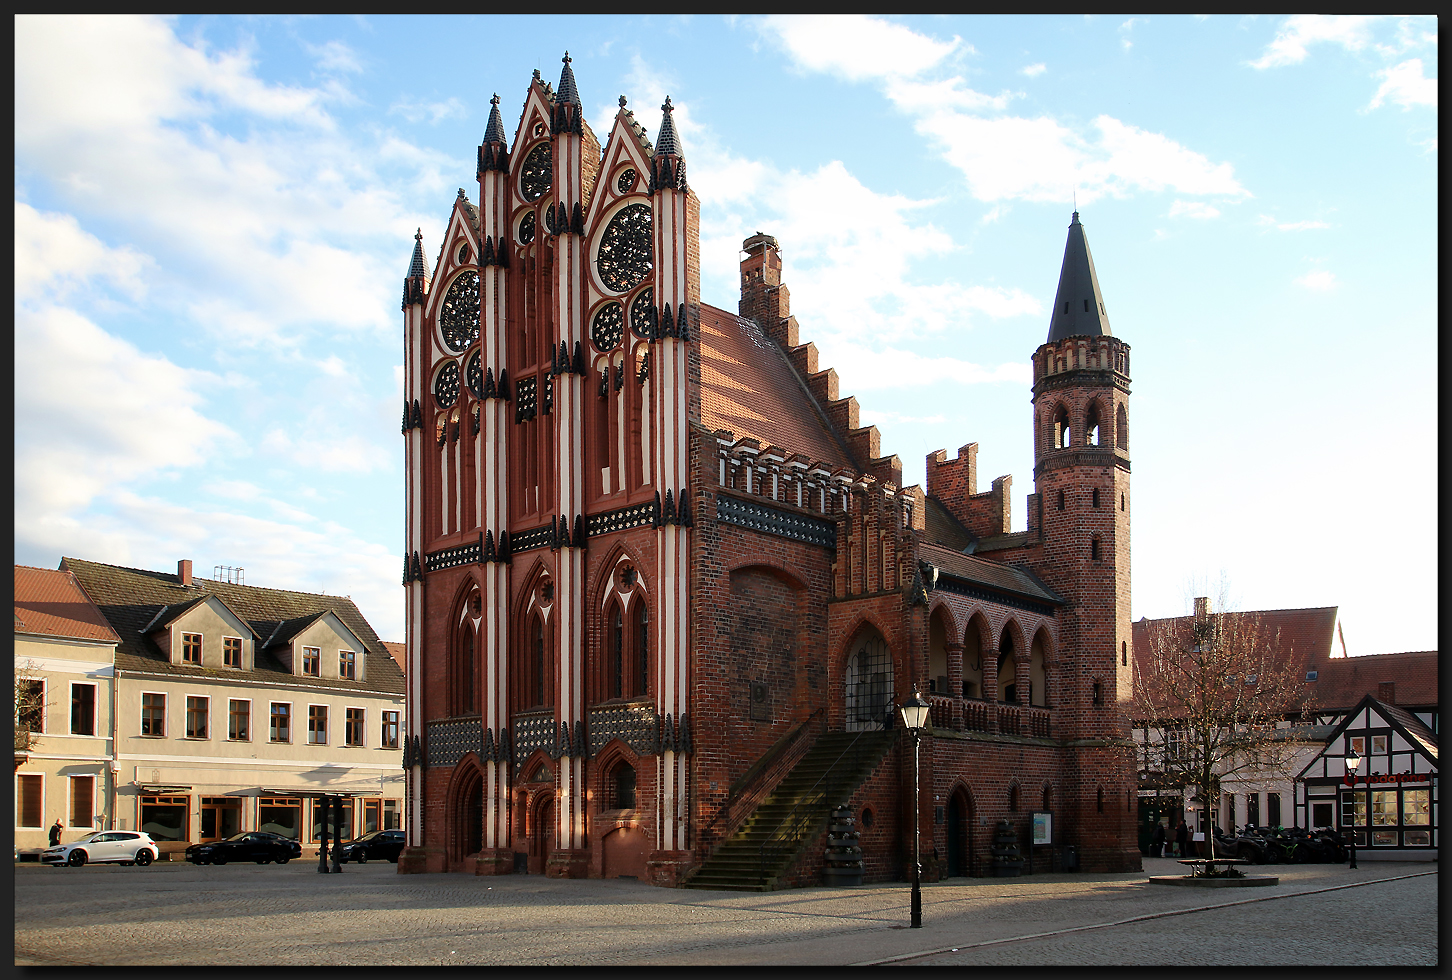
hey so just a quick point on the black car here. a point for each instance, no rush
(380, 845)
(253, 845)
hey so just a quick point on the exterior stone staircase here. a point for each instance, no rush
(794, 814)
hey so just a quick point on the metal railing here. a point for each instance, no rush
(811, 809)
(753, 787)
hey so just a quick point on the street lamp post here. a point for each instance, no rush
(915, 717)
(1353, 763)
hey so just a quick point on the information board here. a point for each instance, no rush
(1043, 827)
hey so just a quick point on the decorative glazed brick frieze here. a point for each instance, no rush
(772, 520)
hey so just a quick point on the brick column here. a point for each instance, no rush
(955, 683)
(990, 685)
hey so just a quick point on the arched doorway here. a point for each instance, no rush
(869, 683)
(468, 818)
(960, 836)
(542, 834)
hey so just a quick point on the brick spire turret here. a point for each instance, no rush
(566, 116)
(668, 165)
(415, 284)
(493, 152)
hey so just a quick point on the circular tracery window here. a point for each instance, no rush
(641, 310)
(459, 315)
(446, 385)
(608, 327)
(626, 181)
(626, 256)
(474, 375)
(536, 174)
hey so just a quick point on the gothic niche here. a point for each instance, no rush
(641, 311)
(446, 385)
(459, 315)
(474, 375)
(536, 174)
(608, 327)
(625, 258)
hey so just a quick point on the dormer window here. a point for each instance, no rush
(313, 661)
(232, 651)
(192, 648)
(347, 664)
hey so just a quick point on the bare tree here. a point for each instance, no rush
(30, 707)
(1210, 695)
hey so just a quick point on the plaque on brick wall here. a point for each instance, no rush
(759, 706)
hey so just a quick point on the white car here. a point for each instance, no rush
(122, 846)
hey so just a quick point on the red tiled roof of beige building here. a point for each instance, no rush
(52, 603)
(397, 651)
(750, 388)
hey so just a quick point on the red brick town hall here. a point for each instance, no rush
(665, 594)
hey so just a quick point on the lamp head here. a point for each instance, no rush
(1353, 762)
(915, 711)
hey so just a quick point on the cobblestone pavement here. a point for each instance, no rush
(177, 914)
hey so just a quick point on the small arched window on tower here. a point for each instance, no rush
(1048, 798)
(1121, 425)
(1096, 499)
(1123, 654)
(1096, 695)
(1061, 500)
(1013, 798)
(1121, 501)
(1091, 427)
(1101, 799)
(1061, 428)
(1094, 548)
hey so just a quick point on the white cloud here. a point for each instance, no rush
(857, 47)
(1405, 85)
(1320, 281)
(1033, 71)
(92, 413)
(1126, 27)
(434, 112)
(1266, 219)
(337, 452)
(1299, 32)
(1193, 209)
(335, 56)
(53, 255)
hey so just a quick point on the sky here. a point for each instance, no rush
(214, 215)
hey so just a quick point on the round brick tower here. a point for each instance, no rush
(1081, 476)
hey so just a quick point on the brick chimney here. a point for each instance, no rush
(1386, 692)
(1202, 607)
(184, 571)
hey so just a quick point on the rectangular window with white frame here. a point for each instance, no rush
(353, 722)
(153, 714)
(83, 709)
(347, 664)
(29, 801)
(317, 724)
(239, 720)
(280, 722)
(389, 739)
(1358, 745)
(197, 711)
(83, 803)
(313, 661)
(232, 651)
(1378, 745)
(192, 648)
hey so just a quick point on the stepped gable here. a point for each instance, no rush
(130, 598)
(749, 389)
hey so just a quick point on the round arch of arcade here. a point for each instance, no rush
(1007, 655)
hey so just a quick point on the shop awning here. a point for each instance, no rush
(316, 794)
(162, 789)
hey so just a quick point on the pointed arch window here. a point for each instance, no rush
(616, 667)
(1094, 549)
(1121, 426)
(537, 662)
(1007, 686)
(640, 629)
(1092, 431)
(1061, 428)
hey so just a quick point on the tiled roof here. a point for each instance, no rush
(749, 388)
(129, 598)
(397, 651)
(1343, 681)
(52, 603)
(994, 575)
(1412, 725)
(941, 527)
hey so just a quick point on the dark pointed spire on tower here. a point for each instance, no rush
(666, 143)
(567, 94)
(1079, 309)
(417, 268)
(494, 132)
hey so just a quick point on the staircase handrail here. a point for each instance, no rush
(754, 785)
(778, 845)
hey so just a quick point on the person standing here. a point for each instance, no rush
(55, 832)
(1182, 839)
(1157, 840)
